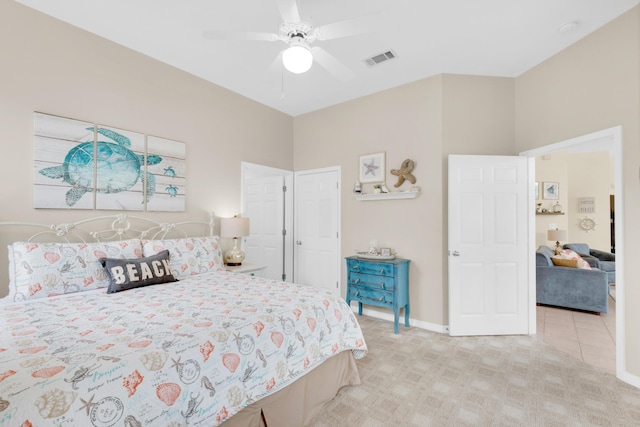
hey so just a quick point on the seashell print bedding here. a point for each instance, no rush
(193, 352)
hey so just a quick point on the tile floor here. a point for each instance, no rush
(586, 336)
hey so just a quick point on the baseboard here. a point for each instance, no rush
(412, 322)
(630, 379)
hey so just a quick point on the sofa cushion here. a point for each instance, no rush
(572, 263)
(581, 248)
(543, 256)
(603, 255)
(568, 254)
(608, 266)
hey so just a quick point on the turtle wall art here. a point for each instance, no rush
(80, 165)
(170, 174)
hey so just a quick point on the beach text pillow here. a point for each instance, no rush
(125, 274)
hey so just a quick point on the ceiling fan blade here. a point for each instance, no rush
(276, 64)
(238, 35)
(289, 10)
(350, 27)
(331, 64)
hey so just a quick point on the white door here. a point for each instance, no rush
(488, 245)
(264, 206)
(316, 227)
(270, 211)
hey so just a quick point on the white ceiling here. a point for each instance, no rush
(489, 37)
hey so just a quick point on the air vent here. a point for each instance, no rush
(377, 59)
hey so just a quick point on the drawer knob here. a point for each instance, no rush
(381, 299)
(356, 280)
(355, 267)
(382, 271)
(357, 294)
(382, 285)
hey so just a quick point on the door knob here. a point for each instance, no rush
(455, 253)
(298, 242)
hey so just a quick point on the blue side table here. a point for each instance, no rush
(381, 283)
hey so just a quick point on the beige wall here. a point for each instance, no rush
(404, 123)
(578, 175)
(424, 121)
(594, 85)
(478, 115)
(589, 176)
(55, 68)
(553, 169)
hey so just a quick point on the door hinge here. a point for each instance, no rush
(284, 188)
(284, 277)
(337, 237)
(284, 232)
(337, 285)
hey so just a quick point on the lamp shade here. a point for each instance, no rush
(297, 59)
(556, 235)
(234, 227)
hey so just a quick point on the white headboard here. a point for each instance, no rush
(95, 229)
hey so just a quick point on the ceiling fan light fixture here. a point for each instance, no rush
(297, 58)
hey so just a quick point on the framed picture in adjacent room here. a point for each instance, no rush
(550, 190)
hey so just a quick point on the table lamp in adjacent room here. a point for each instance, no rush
(557, 235)
(235, 228)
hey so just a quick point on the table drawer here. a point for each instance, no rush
(372, 281)
(378, 269)
(371, 297)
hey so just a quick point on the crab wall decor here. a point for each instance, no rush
(80, 165)
(404, 173)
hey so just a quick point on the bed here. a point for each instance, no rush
(151, 330)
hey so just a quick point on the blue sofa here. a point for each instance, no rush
(605, 261)
(575, 288)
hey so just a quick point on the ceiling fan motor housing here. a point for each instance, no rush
(298, 30)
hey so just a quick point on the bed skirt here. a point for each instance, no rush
(299, 403)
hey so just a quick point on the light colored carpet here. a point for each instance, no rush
(422, 378)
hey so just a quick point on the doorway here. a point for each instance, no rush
(284, 207)
(267, 200)
(317, 228)
(606, 140)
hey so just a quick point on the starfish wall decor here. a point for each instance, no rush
(372, 168)
(404, 173)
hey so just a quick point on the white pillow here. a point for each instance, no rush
(39, 270)
(571, 255)
(188, 255)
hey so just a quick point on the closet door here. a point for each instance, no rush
(317, 224)
(267, 202)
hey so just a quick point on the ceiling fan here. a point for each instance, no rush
(299, 35)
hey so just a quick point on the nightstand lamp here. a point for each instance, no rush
(557, 235)
(235, 228)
